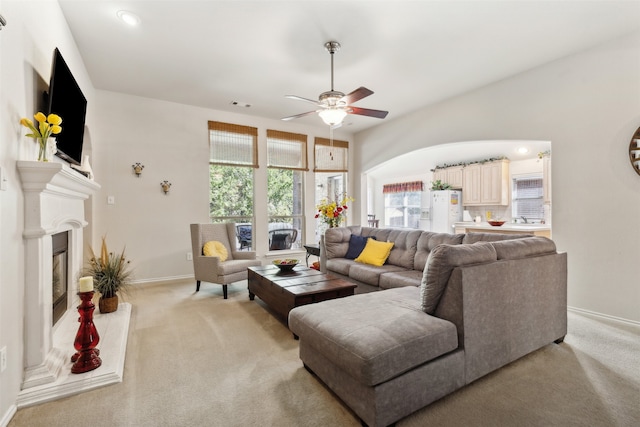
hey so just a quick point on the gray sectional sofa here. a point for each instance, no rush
(477, 306)
(407, 259)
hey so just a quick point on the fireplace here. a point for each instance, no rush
(59, 281)
(54, 197)
(54, 213)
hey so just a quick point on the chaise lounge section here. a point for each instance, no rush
(479, 306)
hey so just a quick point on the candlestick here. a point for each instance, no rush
(87, 338)
(85, 284)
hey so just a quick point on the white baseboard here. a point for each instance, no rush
(4, 422)
(603, 316)
(157, 280)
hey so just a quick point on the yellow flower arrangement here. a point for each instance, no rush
(333, 213)
(47, 126)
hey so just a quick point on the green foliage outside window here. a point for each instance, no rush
(280, 192)
(230, 191)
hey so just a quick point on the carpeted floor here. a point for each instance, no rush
(198, 360)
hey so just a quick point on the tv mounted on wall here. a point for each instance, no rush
(67, 101)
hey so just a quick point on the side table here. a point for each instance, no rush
(312, 250)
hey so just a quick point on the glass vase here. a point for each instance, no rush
(42, 150)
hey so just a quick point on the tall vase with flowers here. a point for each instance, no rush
(333, 212)
(47, 126)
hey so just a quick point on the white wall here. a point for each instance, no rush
(33, 30)
(588, 106)
(171, 140)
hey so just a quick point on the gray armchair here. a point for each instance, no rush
(210, 268)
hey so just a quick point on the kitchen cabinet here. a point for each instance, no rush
(454, 177)
(486, 184)
(440, 174)
(451, 175)
(471, 185)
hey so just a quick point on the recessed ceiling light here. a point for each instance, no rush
(523, 150)
(128, 17)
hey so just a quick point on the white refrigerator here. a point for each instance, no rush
(446, 209)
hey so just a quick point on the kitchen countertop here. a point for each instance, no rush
(505, 226)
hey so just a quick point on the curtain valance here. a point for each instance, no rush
(402, 187)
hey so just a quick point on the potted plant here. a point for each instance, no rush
(439, 185)
(111, 273)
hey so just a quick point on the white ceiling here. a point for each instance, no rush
(421, 161)
(410, 53)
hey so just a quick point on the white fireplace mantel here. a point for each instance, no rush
(48, 186)
(54, 196)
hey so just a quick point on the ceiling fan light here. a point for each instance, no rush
(332, 116)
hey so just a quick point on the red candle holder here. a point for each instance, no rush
(86, 357)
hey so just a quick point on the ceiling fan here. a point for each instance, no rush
(335, 105)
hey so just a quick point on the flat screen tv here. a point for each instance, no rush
(67, 101)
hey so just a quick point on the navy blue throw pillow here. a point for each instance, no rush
(356, 245)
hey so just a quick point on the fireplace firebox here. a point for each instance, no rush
(59, 279)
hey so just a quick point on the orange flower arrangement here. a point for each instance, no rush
(333, 213)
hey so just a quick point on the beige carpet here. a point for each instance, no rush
(198, 360)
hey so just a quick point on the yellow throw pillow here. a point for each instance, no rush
(375, 253)
(215, 248)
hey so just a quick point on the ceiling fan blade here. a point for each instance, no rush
(297, 116)
(356, 95)
(299, 98)
(379, 114)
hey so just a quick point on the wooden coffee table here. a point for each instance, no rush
(282, 291)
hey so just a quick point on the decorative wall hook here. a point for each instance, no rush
(166, 185)
(137, 169)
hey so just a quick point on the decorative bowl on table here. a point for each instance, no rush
(285, 264)
(496, 223)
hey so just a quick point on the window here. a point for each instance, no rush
(402, 204)
(233, 155)
(528, 197)
(331, 162)
(331, 155)
(287, 162)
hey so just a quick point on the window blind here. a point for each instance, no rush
(528, 197)
(331, 156)
(286, 150)
(233, 145)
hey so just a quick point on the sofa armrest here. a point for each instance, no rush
(506, 309)
(323, 255)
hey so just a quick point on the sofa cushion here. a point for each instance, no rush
(490, 237)
(356, 245)
(428, 241)
(522, 248)
(398, 279)
(443, 259)
(336, 242)
(376, 336)
(381, 234)
(375, 253)
(340, 265)
(370, 274)
(405, 244)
